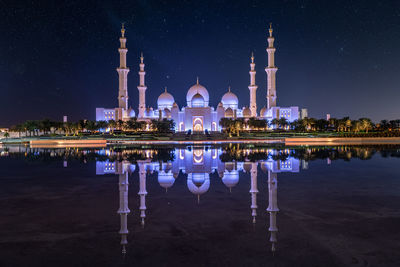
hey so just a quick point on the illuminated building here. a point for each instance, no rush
(197, 115)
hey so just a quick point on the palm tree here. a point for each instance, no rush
(6, 135)
(366, 124)
(112, 124)
(274, 122)
(283, 122)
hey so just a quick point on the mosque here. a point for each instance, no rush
(197, 115)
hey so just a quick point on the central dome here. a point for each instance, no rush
(198, 101)
(197, 89)
(230, 100)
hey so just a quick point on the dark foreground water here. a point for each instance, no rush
(200, 206)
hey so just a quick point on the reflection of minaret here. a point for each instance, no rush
(123, 72)
(253, 190)
(272, 206)
(123, 208)
(142, 88)
(271, 71)
(142, 191)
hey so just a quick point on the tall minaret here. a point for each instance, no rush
(142, 191)
(253, 88)
(123, 72)
(272, 206)
(142, 88)
(123, 208)
(271, 71)
(253, 190)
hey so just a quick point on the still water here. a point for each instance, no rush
(200, 206)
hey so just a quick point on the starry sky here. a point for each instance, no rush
(60, 57)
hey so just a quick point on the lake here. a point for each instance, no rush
(214, 205)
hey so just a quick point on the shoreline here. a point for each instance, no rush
(288, 141)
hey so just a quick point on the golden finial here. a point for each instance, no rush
(197, 79)
(270, 29)
(123, 30)
(165, 89)
(229, 88)
(141, 57)
(252, 57)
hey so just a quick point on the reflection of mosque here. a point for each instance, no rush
(198, 164)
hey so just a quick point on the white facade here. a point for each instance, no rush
(197, 115)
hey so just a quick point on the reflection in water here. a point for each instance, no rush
(196, 164)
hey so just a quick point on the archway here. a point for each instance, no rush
(197, 124)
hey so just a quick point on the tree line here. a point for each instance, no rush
(47, 127)
(345, 125)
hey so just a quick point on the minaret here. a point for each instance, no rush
(123, 208)
(123, 73)
(271, 71)
(253, 88)
(253, 190)
(142, 191)
(272, 206)
(142, 88)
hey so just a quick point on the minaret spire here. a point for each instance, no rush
(123, 74)
(271, 71)
(253, 87)
(142, 88)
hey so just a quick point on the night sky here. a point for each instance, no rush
(60, 57)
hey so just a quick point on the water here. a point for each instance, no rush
(169, 206)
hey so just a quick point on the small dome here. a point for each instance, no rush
(198, 100)
(131, 113)
(263, 112)
(229, 113)
(197, 89)
(148, 112)
(165, 100)
(166, 113)
(246, 112)
(230, 100)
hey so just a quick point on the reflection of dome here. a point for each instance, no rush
(230, 100)
(229, 113)
(166, 179)
(263, 112)
(165, 100)
(247, 166)
(198, 183)
(197, 89)
(198, 100)
(231, 178)
(246, 112)
(264, 167)
(229, 166)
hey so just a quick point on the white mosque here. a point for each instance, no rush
(197, 115)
